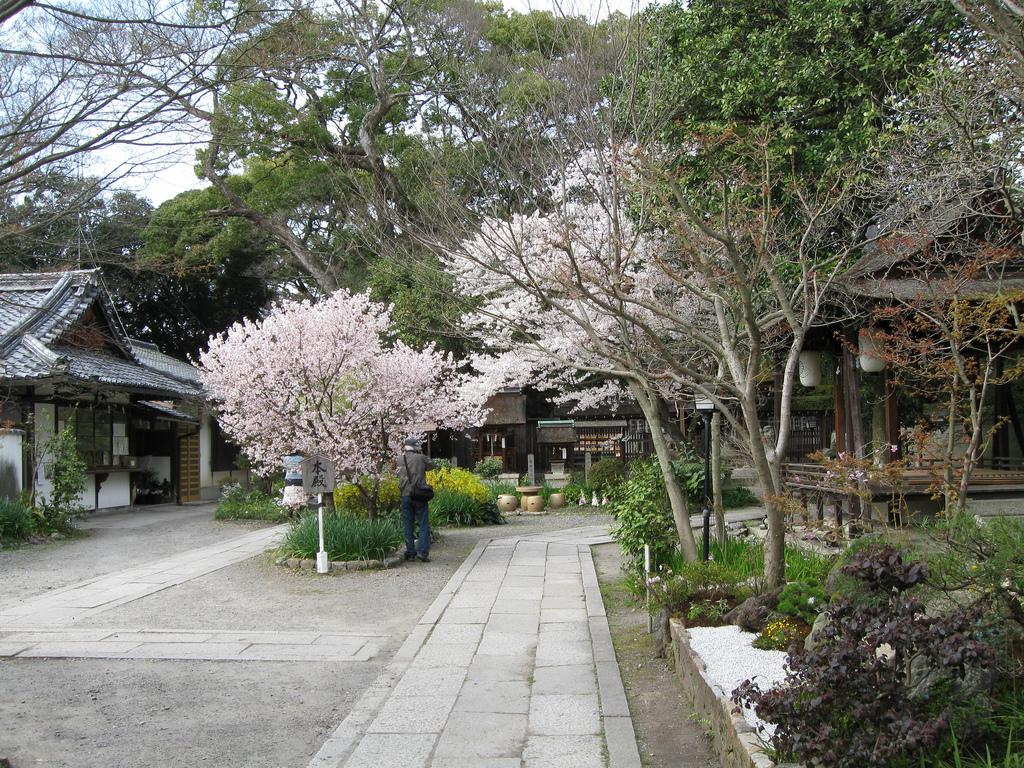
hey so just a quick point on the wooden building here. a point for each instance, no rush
(137, 414)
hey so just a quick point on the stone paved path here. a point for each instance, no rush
(511, 667)
(63, 607)
(44, 626)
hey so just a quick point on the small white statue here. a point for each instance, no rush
(593, 501)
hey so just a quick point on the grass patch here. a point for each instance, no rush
(239, 503)
(346, 537)
(17, 522)
(456, 508)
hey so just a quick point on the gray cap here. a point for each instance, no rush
(412, 444)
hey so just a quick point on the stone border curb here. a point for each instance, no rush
(736, 743)
(307, 564)
(619, 735)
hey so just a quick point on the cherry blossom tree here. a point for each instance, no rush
(327, 378)
(551, 290)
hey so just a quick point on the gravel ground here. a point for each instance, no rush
(256, 594)
(110, 542)
(91, 713)
(84, 713)
(730, 659)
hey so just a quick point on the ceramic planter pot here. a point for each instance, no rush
(556, 500)
(507, 503)
(535, 504)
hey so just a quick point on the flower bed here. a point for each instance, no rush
(711, 662)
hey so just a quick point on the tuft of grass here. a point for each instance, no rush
(346, 537)
(240, 503)
(460, 509)
(17, 521)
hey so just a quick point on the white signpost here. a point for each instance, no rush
(318, 478)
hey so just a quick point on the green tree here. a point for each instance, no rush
(818, 75)
(67, 469)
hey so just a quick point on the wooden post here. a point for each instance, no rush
(892, 420)
(838, 409)
(854, 424)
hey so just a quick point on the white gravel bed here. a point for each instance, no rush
(730, 659)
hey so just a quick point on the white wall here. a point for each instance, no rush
(159, 465)
(115, 490)
(205, 450)
(11, 462)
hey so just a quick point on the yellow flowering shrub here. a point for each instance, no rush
(459, 481)
(779, 635)
(350, 499)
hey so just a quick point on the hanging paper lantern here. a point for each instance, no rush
(810, 369)
(869, 347)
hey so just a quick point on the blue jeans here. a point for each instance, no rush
(418, 513)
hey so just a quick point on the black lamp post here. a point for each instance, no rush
(706, 408)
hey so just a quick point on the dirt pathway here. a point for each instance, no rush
(667, 734)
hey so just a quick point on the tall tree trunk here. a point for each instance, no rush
(769, 474)
(949, 492)
(716, 476)
(676, 496)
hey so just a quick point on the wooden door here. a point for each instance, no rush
(493, 445)
(188, 464)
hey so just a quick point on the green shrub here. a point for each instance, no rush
(740, 496)
(642, 516)
(240, 503)
(605, 474)
(808, 567)
(713, 584)
(348, 498)
(449, 478)
(346, 537)
(502, 489)
(743, 557)
(67, 466)
(707, 611)
(460, 509)
(488, 468)
(573, 492)
(17, 522)
(689, 472)
(547, 489)
(779, 635)
(802, 601)
(981, 556)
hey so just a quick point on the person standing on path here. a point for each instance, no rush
(412, 483)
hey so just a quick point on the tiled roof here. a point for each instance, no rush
(169, 411)
(86, 365)
(151, 356)
(37, 309)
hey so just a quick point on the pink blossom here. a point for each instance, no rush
(325, 378)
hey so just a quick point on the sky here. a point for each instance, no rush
(176, 175)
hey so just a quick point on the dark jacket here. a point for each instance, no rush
(418, 465)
